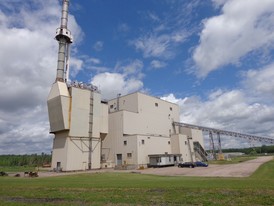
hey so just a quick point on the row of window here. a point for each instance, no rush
(156, 105)
(143, 141)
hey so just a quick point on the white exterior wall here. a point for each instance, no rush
(111, 141)
(79, 118)
(60, 150)
(58, 104)
(127, 103)
(179, 144)
(194, 135)
(104, 119)
(152, 145)
(141, 117)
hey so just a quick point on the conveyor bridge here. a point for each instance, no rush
(220, 132)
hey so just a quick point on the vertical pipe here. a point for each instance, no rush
(61, 59)
(64, 18)
(219, 143)
(212, 145)
(62, 37)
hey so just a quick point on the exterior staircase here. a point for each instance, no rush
(200, 151)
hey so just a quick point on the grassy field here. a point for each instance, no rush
(136, 189)
(233, 160)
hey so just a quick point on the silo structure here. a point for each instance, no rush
(78, 118)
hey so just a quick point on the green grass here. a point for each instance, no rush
(136, 189)
(17, 169)
(233, 160)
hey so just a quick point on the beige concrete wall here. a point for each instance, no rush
(78, 154)
(179, 144)
(193, 135)
(104, 119)
(148, 104)
(149, 145)
(127, 102)
(114, 136)
(175, 144)
(197, 135)
(79, 120)
(129, 148)
(59, 150)
(150, 119)
(145, 123)
(72, 148)
(58, 107)
(138, 146)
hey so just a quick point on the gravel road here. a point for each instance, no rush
(243, 169)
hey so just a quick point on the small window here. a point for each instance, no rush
(185, 142)
(103, 157)
(168, 142)
(156, 104)
(129, 155)
(125, 142)
(111, 106)
(170, 108)
(148, 137)
(143, 141)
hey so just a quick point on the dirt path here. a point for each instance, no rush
(243, 169)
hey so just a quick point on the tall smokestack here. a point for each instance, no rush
(64, 37)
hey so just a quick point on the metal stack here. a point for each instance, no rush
(64, 37)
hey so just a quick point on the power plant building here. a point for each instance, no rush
(141, 134)
(131, 131)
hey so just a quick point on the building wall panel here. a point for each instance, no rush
(80, 108)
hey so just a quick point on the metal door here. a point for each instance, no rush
(119, 159)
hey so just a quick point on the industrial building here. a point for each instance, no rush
(141, 134)
(131, 131)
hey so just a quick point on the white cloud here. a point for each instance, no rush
(163, 45)
(229, 111)
(76, 65)
(259, 83)
(234, 110)
(157, 64)
(94, 60)
(28, 59)
(111, 84)
(130, 68)
(126, 79)
(243, 27)
(219, 2)
(154, 46)
(169, 31)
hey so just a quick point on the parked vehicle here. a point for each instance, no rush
(201, 164)
(186, 164)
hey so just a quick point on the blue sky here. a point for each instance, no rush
(212, 57)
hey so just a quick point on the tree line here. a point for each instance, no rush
(252, 150)
(32, 160)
